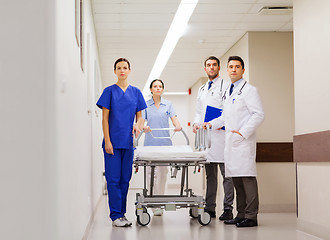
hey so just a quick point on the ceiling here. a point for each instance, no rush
(136, 29)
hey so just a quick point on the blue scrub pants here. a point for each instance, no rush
(118, 173)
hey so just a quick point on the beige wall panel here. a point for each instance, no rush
(311, 42)
(312, 51)
(271, 71)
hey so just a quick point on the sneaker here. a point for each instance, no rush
(128, 222)
(158, 212)
(120, 222)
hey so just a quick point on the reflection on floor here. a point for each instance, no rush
(179, 225)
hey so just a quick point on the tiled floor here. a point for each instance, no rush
(178, 225)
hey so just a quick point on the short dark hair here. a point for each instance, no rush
(155, 81)
(212, 58)
(121, 60)
(236, 58)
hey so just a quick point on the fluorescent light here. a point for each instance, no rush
(178, 25)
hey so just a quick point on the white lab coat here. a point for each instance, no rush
(212, 97)
(243, 113)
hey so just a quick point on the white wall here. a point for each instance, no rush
(51, 173)
(26, 69)
(80, 158)
(311, 41)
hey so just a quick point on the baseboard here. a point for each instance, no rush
(91, 219)
(313, 229)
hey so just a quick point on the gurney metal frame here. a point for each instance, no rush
(186, 198)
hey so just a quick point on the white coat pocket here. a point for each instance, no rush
(237, 139)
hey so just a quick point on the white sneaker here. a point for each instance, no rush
(120, 222)
(158, 212)
(128, 222)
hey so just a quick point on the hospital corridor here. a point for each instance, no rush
(79, 77)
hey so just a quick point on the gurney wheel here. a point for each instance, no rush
(204, 219)
(143, 219)
(144, 210)
(193, 212)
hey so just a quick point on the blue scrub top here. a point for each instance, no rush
(158, 118)
(123, 106)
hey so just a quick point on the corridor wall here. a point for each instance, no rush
(312, 116)
(78, 133)
(52, 164)
(28, 148)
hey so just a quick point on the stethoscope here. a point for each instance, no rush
(203, 88)
(239, 92)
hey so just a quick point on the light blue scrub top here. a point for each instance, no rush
(158, 118)
(123, 106)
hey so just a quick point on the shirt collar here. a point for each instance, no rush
(214, 80)
(152, 102)
(238, 82)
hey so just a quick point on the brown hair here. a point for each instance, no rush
(236, 58)
(212, 58)
(121, 60)
(155, 81)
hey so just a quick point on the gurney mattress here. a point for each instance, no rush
(168, 153)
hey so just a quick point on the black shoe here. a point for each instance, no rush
(247, 223)
(234, 221)
(212, 213)
(226, 215)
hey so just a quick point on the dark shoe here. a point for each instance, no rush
(226, 215)
(247, 223)
(212, 213)
(234, 221)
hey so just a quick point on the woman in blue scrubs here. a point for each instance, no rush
(157, 115)
(120, 103)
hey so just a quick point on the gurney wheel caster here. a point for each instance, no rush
(144, 210)
(193, 212)
(204, 219)
(143, 219)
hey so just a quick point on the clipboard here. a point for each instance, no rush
(212, 113)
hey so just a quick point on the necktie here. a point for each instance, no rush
(231, 89)
(210, 84)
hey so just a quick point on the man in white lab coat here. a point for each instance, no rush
(242, 115)
(210, 94)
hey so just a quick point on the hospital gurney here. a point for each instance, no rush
(178, 158)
